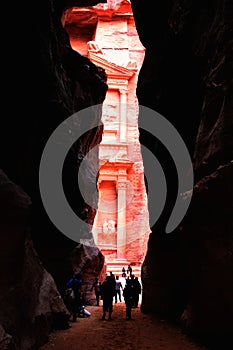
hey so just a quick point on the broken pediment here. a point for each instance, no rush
(112, 70)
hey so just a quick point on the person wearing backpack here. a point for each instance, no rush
(75, 283)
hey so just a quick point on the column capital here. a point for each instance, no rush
(121, 185)
(123, 91)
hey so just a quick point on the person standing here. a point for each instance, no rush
(123, 272)
(75, 283)
(118, 288)
(138, 290)
(128, 294)
(107, 293)
(113, 280)
(129, 270)
(97, 288)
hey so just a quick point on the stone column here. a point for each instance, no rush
(121, 219)
(123, 115)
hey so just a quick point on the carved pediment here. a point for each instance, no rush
(112, 70)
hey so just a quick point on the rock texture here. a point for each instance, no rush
(187, 77)
(30, 303)
(88, 261)
(208, 244)
(53, 82)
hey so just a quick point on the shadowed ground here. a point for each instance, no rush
(143, 332)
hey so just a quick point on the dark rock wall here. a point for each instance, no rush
(88, 261)
(45, 82)
(207, 252)
(187, 77)
(30, 303)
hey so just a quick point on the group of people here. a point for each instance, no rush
(112, 288)
(109, 290)
(127, 272)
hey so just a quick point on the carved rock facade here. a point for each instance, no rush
(106, 34)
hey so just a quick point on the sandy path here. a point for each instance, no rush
(143, 332)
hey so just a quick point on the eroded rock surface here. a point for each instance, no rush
(187, 77)
(30, 303)
(53, 82)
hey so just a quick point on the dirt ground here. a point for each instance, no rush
(143, 332)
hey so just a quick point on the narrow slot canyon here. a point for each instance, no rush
(116, 151)
(108, 37)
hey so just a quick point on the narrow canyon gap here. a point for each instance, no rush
(107, 36)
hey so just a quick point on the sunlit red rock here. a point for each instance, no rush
(106, 34)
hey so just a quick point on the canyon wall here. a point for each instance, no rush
(45, 83)
(187, 77)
